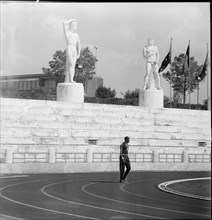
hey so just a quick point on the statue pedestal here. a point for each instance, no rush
(151, 98)
(70, 92)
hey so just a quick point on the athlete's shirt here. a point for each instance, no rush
(124, 147)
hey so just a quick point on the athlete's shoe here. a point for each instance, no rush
(125, 181)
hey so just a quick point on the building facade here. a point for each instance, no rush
(28, 82)
(92, 85)
(31, 82)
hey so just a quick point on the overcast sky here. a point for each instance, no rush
(32, 32)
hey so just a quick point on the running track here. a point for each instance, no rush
(98, 196)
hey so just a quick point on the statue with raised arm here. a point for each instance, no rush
(151, 54)
(72, 48)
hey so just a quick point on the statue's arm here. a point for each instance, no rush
(65, 26)
(144, 53)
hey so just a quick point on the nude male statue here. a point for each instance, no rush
(151, 54)
(72, 48)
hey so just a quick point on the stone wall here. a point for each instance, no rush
(52, 136)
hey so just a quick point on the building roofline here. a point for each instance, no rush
(25, 76)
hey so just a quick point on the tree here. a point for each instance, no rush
(180, 78)
(177, 97)
(131, 97)
(166, 102)
(84, 68)
(103, 92)
(205, 104)
(131, 94)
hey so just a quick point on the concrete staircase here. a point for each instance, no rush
(37, 126)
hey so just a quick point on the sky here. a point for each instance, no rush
(32, 32)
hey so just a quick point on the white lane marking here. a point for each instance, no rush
(139, 195)
(164, 187)
(91, 206)
(37, 207)
(17, 176)
(145, 206)
(8, 216)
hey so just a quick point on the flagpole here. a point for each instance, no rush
(198, 94)
(189, 77)
(207, 76)
(170, 74)
(170, 90)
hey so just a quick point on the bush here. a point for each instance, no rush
(115, 101)
(39, 94)
(44, 94)
(103, 92)
(185, 106)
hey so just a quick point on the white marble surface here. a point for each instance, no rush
(70, 92)
(151, 98)
(48, 126)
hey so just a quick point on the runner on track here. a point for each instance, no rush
(124, 160)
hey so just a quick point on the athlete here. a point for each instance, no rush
(151, 55)
(72, 48)
(124, 160)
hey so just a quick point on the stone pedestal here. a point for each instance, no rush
(151, 98)
(70, 92)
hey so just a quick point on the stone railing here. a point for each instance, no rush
(51, 156)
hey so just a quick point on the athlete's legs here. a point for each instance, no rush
(121, 167)
(146, 78)
(66, 72)
(156, 76)
(70, 67)
(128, 166)
(71, 75)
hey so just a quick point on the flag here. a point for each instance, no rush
(167, 60)
(187, 58)
(203, 73)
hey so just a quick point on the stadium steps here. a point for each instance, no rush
(50, 123)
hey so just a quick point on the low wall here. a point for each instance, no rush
(93, 159)
(55, 137)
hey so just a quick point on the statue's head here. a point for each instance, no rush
(73, 24)
(151, 41)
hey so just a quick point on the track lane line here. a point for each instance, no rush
(16, 176)
(38, 207)
(91, 206)
(145, 206)
(139, 195)
(164, 187)
(8, 216)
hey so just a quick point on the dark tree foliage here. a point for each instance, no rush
(131, 94)
(181, 80)
(103, 92)
(85, 66)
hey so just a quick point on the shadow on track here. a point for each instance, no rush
(103, 181)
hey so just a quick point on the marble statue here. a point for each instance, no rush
(72, 48)
(151, 54)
